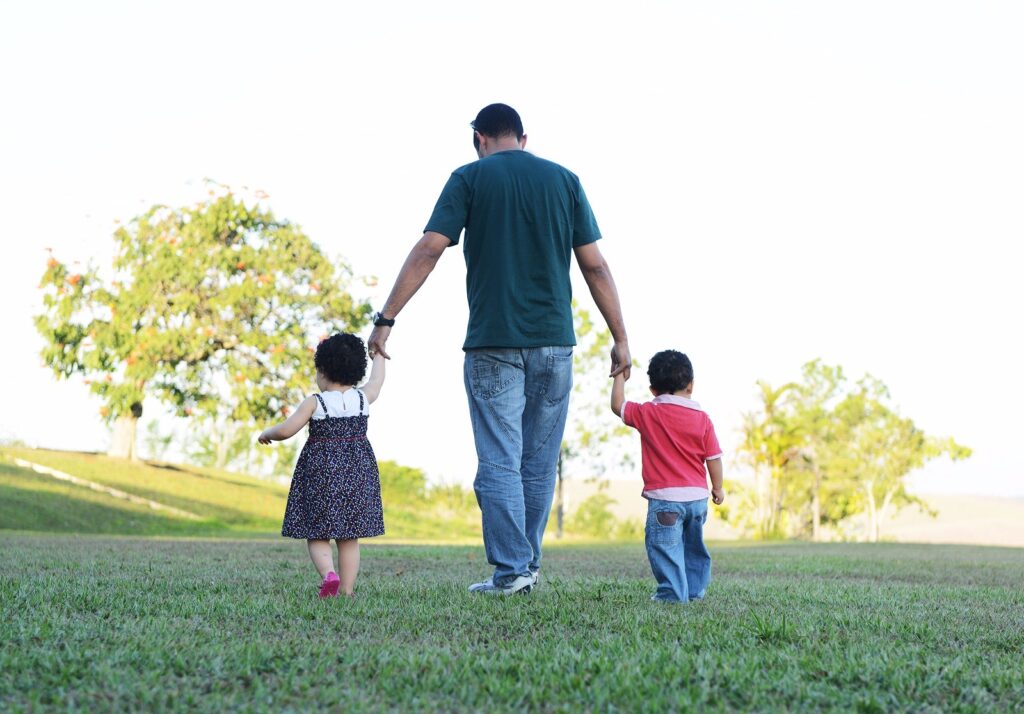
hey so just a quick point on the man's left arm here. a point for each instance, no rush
(602, 287)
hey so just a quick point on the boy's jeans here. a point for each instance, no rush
(518, 400)
(675, 547)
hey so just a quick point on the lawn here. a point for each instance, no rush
(223, 500)
(100, 623)
(226, 504)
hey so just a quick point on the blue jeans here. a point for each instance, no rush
(675, 547)
(518, 400)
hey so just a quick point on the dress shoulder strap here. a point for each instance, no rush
(323, 405)
(360, 391)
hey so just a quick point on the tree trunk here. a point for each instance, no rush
(560, 508)
(761, 513)
(816, 508)
(222, 450)
(872, 513)
(882, 512)
(775, 503)
(122, 442)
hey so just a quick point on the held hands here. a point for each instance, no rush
(377, 341)
(621, 360)
(718, 496)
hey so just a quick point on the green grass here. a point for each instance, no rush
(30, 501)
(223, 499)
(107, 623)
(228, 504)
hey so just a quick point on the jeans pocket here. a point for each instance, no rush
(485, 379)
(489, 376)
(699, 511)
(659, 534)
(559, 378)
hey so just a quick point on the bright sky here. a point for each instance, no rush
(775, 182)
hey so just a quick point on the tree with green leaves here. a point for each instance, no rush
(823, 451)
(771, 442)
(212, 308)
(816, 472)
(881, 448)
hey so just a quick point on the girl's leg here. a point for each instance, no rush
(321, 555)
(348, 563)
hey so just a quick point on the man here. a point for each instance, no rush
(523, 217)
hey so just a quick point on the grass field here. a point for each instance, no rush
(100, 623)
(227, 504)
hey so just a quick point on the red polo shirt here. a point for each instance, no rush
(676, 439)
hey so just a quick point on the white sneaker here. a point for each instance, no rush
(521, 584)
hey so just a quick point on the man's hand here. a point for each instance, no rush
(621, 359)
(718, 496)
(378, 339)
(418, 264)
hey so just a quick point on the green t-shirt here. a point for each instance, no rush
(523, 216)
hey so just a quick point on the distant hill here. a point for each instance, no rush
(195, 501)
(973, 520)
(137, 498)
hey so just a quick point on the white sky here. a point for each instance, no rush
(775, 182)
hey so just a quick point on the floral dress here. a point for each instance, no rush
(335, 491)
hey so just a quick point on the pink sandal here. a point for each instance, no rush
(330, 585)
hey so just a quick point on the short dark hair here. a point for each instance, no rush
(670, 371)
(341, 358)
(497, 120)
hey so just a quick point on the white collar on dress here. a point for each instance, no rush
(678, 401)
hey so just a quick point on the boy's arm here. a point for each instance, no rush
(715, 471)
(372, 387)
(618, 393)
(290, 426)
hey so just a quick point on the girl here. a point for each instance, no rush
(335, 491)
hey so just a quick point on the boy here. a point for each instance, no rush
(677, 439)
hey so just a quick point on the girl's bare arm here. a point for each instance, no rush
(373, 385)
(290, 426)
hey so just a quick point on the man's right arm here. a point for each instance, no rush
(602, 287)
(418, 265)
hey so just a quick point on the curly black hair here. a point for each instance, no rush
(341, 358)
(670, 371)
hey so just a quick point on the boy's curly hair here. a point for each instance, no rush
(670, 371)
(341, 358)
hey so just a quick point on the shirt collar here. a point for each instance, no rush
(678, 401)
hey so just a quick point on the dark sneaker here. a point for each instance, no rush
(521, 584)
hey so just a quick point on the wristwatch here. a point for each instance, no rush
(379, 320)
